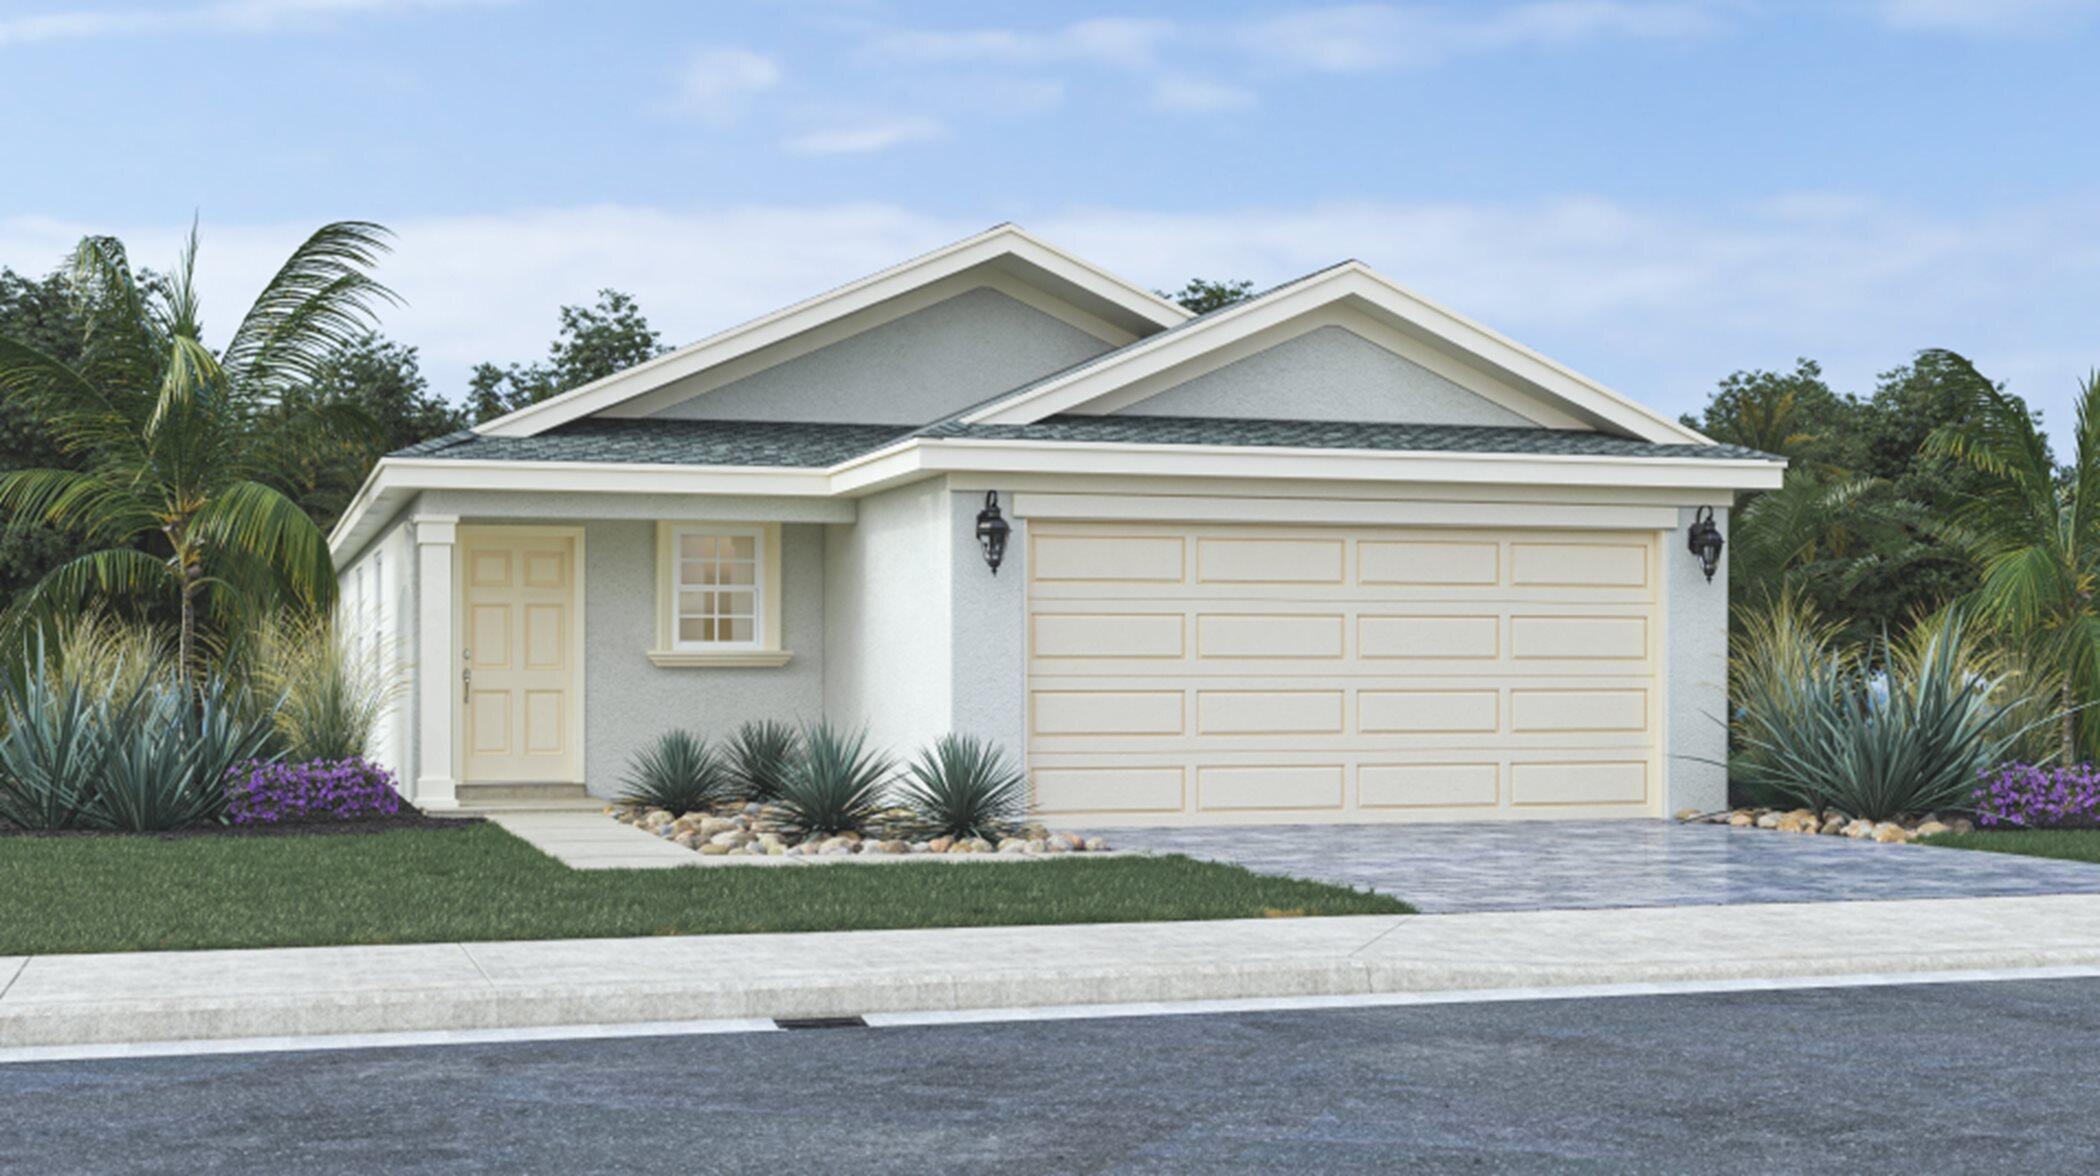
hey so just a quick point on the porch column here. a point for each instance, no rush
(437, 655)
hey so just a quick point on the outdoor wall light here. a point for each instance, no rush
(992, 530)
(1704, 540)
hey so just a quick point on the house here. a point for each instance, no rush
(1334, 553)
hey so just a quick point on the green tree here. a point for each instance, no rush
(1793, 414)
(179, 449)
(593, 343)
(41, 313)
(1202, 295)
(2035, 532)
(372, 395)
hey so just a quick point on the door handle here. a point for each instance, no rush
(466, 676)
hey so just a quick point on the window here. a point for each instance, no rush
(718, 595)
(718, 602)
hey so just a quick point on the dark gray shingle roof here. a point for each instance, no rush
(661, 442)
(805, 445)
(1160, 430)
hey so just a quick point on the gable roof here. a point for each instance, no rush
(1131, 306)
(1357, 285)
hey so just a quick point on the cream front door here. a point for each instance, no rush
(1206, 674)
(522, 648)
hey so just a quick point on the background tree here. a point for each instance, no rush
(39, 312)
(1202, 295)
(372, 396)
(1793, 414)
(593, 342)
(180, 451)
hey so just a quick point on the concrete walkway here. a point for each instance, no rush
(1567, 865)
(590, 840)
(167, 996)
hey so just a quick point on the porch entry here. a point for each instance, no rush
(520, 664)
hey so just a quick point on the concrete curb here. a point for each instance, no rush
(293, 992)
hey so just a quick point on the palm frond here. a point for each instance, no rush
(79, 500)
(99, 577)
(260, 521)
(321, 299)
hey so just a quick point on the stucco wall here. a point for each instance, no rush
(888, 585)
(990, 657)
(1327, 374)
(1695, 666)
(628, 701)
(908, 371)
(377, 611)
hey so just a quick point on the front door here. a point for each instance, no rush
(520, 679)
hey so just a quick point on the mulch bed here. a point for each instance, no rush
(409, 819)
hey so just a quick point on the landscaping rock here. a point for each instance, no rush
(1928, 828)
(1832, 825)
(1769, 820)
(1889, 833)
(1739, 819)
(1859, 828)
(712, 850)
(1961, 825)
(940, 845)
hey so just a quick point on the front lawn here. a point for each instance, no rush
(2076, 845)
(423, 885)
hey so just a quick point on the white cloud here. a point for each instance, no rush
(717, 83)
(1985, 16)
(1125, 43)
(1657, 302)
(230, 16)
(1360, 37)
(1178, 94)
(865, 137)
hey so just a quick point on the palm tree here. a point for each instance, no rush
(2035, 532)
(180, 448)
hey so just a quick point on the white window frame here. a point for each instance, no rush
(764, 648)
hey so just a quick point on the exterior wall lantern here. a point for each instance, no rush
(1705, 541)
(992, 530)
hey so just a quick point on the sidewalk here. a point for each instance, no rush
(163, 996)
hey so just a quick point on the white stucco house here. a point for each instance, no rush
(1334, 553)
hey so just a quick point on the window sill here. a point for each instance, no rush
(727, 659)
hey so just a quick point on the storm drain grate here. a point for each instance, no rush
(820, 1022)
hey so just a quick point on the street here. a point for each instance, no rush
(1942, 1077)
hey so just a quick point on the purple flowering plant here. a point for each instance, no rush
(2027, 796)
(260, 793)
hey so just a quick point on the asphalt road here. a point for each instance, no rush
(1974, 1077)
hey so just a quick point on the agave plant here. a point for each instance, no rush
(170, 753)
(1900, 728)
(963, 786)
(56, 745)
(679, 773)
(836, 785)
(760, 756)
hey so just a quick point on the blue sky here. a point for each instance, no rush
(1654, 191)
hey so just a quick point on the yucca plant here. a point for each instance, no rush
(679, 773)
(836, 785)
(1896, 730)
(963, 786)
(760, 755)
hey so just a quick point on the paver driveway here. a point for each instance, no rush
(1542, 865)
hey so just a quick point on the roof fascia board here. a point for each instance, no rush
(1503, 356)
(1000, 241)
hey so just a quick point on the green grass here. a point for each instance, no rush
(2076, 845)
(89, 894)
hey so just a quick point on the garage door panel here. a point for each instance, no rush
(1274, 635)
(1106, 712)
(1270, 787)
(1269, 561)
(1273, 712)
(1427, 785)
(1329, 674)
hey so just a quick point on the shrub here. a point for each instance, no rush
(1898, 729)
(963, 787)
(170, 753)
(2028, 797)
(317, 790)
(835, 786)
(330, 693)
(678, 772)
(760, 756)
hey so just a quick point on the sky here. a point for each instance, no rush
(1655, 192)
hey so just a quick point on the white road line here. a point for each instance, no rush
(69, 1053)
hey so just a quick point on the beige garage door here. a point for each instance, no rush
(1193, 674)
